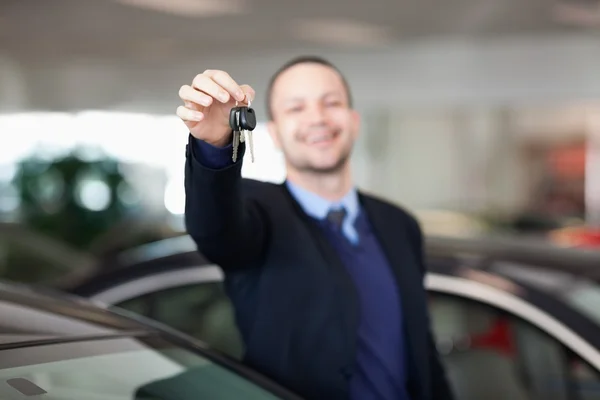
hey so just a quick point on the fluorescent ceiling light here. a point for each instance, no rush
(341, 32)
(190, 8)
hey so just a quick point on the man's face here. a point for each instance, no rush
(313, 124)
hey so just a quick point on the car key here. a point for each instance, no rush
(247, 123)
(242, 121)
(234, 118)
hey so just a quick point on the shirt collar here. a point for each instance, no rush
(318, 207)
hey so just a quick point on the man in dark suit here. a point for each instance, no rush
(326, 281)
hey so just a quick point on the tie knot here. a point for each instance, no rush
(336, 217)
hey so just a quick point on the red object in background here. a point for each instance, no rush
(568, 162)
(588, 239)
(498, 338)
(578, 237)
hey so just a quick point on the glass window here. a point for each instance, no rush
(581, 293)
(120, 369)
(200, 310)
(586, 380)
(491, 354)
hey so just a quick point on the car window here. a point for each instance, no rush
(586, 380)
(120, 369)
(492, 354)
(581, 293)
(200, 310)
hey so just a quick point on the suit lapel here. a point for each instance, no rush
(348, 299)
(393, 238)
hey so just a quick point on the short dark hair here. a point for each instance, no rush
(302, 60)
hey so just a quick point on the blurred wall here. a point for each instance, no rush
(470, 72)
(452, 159)
(434, 137)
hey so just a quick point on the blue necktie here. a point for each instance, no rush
(336, 218)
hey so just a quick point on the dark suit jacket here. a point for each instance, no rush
(296, 306)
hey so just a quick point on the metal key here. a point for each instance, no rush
(242, 121)
(247, 123)
(234, 123)
(240, 130)
(250, 145)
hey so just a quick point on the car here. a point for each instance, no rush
(61, 347)
(28, 256)
(513, 319)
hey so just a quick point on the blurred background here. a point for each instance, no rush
(488, 110)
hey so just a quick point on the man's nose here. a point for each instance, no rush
(316, 114)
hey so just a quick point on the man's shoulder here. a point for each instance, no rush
(395, 211)
(387, 205)
(400, 218)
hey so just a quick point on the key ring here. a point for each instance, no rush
(249, 103)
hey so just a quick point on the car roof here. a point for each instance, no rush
(501, 254)
(527, 250)
(503, 263)
(32, 314)
(477, 250)
(45, 246)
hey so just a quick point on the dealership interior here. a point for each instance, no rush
(480, 119)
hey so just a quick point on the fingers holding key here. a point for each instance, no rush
(215, 85)
(230, 90)
(208, 102)
(248, 93)
(194, 98)
(219, 85)
(188, 114)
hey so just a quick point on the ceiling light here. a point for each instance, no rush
(341, 32)
(190, 8)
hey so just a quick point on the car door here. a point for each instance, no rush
(496, 345)
(191, 300)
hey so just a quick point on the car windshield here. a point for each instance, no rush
(144, 368)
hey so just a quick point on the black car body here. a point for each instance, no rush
(513, 319)
(66, 348)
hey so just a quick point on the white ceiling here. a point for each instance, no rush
(164, 29)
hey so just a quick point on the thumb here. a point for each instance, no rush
(249, 92)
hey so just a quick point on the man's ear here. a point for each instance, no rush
(272, 128)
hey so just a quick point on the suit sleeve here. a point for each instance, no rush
(212, 156)
(440, 389)
(228, 229)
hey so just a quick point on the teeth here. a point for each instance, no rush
(320, 138)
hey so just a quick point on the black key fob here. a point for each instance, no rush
(247, 119)
(234, 118)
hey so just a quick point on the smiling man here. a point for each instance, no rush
(326, 281)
